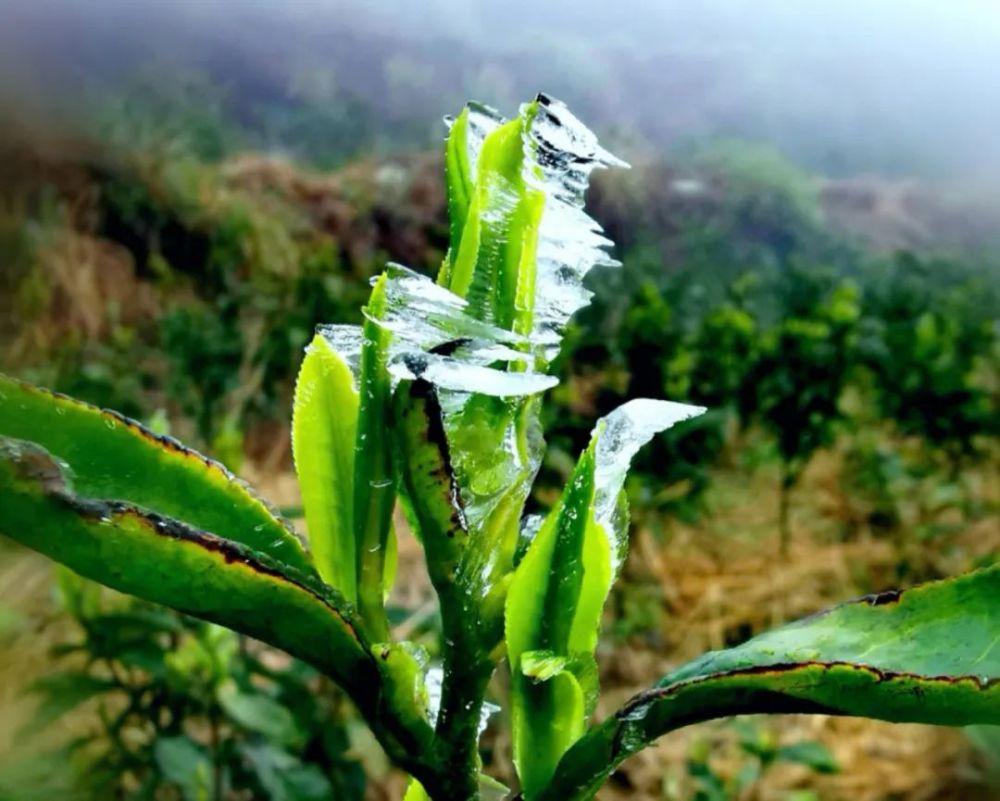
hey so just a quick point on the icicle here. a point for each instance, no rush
(560, 153)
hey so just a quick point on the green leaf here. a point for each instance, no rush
(930, 654)
(61, 693)
(493, 261)
(374, 472)
(324, 432)
(186, 764)
(258, 713)
(112, 457)
(427, 484)
(458, 177)
(810, 753)
(167, 562)
(283, 776)
(558, 592)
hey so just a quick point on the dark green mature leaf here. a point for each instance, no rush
(115, 458)
(185, 763)
(259, 713)
(324, 431)
(167, 562)
(930, 654)
(283, 776)
(428, 487)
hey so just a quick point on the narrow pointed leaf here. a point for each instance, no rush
(374, 474)
(493, 263)
(558, 592)
(116, 458)
(324, 434)
(930, 654)
(458, 176)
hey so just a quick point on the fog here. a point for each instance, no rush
(896, 87)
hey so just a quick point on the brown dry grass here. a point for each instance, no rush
(713, 584)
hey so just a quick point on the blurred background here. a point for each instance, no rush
(811, 243)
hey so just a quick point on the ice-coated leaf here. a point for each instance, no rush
(560, 154)
(324, 432)
(930, 654)
(434, 337)
(374, 472)
(618, 438)
(113, 457)
(555, 599)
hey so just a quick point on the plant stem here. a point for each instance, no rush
(213, 722)
(457, 731)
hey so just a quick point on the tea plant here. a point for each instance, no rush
(794, 385)
(760, 752)
(187, 705)
(434, 403)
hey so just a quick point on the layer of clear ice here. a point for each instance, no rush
(434, 338)
(481, 122)
(434, 683)
(620, 435)
(560, 154)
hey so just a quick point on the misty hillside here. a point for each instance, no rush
(898, 88)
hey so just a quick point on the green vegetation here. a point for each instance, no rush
(192, 707)
(434, 404)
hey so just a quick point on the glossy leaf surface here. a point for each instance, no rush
(374, 474)
(112, 457)
(558, 592)
(930, 654)
(324, 431)
(168, 562)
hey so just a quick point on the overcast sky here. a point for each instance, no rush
(869, 82)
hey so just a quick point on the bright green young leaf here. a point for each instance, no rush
(324, 433)
(555, 600)
(115, 458)
(374, 473)
(458, 177)
(930, 654)
(493, 265)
